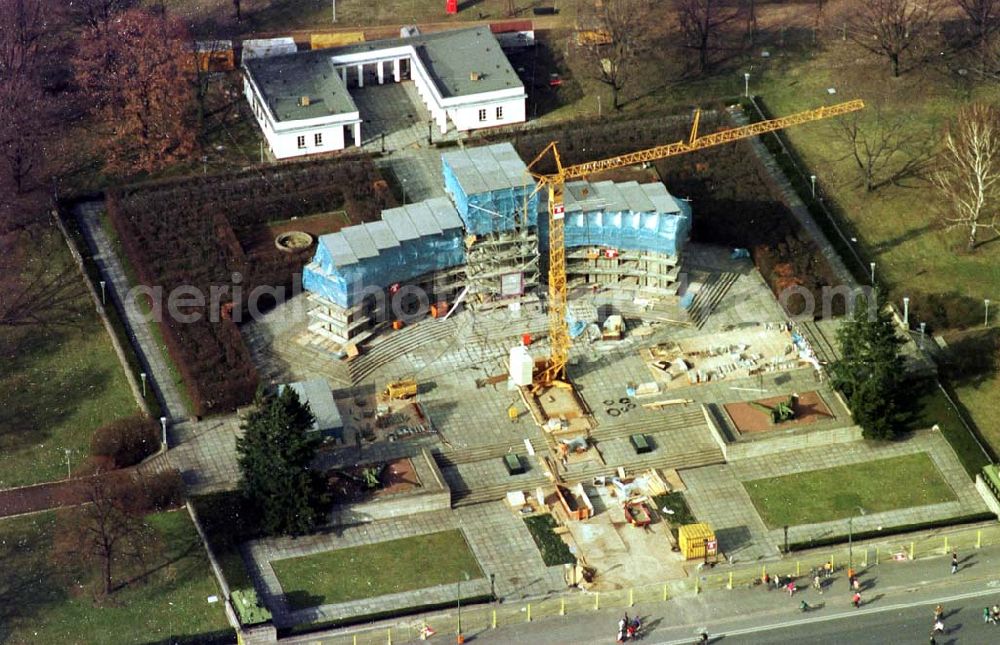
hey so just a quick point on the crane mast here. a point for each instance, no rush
(555, 368)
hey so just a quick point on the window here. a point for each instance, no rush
(318, 138)
(500, 112)
(301, 141)
(482, 115)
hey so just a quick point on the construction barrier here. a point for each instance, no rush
(329, 40)
(479, 618)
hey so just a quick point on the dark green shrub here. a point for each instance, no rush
(554, 550)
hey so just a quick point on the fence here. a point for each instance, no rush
(861, 556)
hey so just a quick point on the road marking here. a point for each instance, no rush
(813, 619)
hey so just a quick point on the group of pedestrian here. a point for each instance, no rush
(991, 615)
(628, 628)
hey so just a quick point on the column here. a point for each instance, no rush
(361, 74)
(442, 121)
(395, 70)
(343, 75)
(381, 72)
(357, 134)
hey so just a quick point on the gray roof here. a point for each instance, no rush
(317, 394)
(353, 244)
(615, 197)
(451, 57)
(488, 168)
(284, 80)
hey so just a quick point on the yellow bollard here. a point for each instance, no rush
(631, 602)
(833, 567)
(979, 538)
(355, 639)
(597, 600)
(665, 591)
(494, 619)
(876, 556)
(912, 551)
(529, 612)
(729, 586)
(562, 606)
(389, 633)
(946, 544)
(798, 569)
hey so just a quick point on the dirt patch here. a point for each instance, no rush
(809, 408)
(397, 476)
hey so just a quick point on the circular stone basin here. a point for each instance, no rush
(293, 241)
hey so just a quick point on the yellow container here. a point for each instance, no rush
(694, 539)
(339, 39)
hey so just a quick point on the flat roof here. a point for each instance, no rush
(284, 80)
(451, 57)
(317, 393)
(488, 168)
(353, 244)
(609, 196)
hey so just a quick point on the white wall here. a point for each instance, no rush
(467, 117)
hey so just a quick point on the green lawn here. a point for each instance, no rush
(377, 569)
(980, 400)
(836, 493)
(932, 407)
(40, 603)
(60, 381)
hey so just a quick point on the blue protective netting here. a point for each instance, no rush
(346, 285)
(492, 211)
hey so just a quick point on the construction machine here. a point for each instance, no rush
(401, 389)
(779, 412)
(553, 371)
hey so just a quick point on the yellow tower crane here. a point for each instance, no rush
(555, 369)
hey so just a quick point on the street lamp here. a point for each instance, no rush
(69, 474)
(103, 283)
(142, 377)
(812, 180)
(459, 638)
(850, 541)
(403, 179)
(906, 311)
(163, 425)
(923, 328)
(334, 4)
(746, 84)
(872, 265)
(986, 318)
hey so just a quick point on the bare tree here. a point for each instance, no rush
(751, 12)
(237, 10)
(875, 141)
(109, 530)
(969, 172)
(700, 22)
(890, 28)
(623, 28)
(984, 18)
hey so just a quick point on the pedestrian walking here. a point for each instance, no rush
(621, 630)
(856, 585)
(856, 600)
(939, 626)
(817, 583)
(986, 614)
(995, 614)
(791, 589)
(938, 612)
(954, 563)
(827, 569)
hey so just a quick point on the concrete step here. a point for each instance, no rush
(710, 295)
(449, 458)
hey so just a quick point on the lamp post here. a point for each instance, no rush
(459, 638)
(850, 541)
(142, 377)
(163, 425)
(872, 265)
(403, 180)
(746, 84)
(986, 317)
(103, 284)
(923, 328)
(906, 311)
(812, 180)
(333, 4)
(69, 474)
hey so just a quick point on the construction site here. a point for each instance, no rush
(543, 344)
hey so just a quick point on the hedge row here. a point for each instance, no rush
(197, 231)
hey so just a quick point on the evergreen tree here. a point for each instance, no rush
(274, 454)
(870, 371)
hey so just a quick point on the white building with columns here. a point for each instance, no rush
(303, 105)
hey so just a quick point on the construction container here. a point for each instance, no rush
(697, 541)
(402, 389)
(397, 324)
(521, 366)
